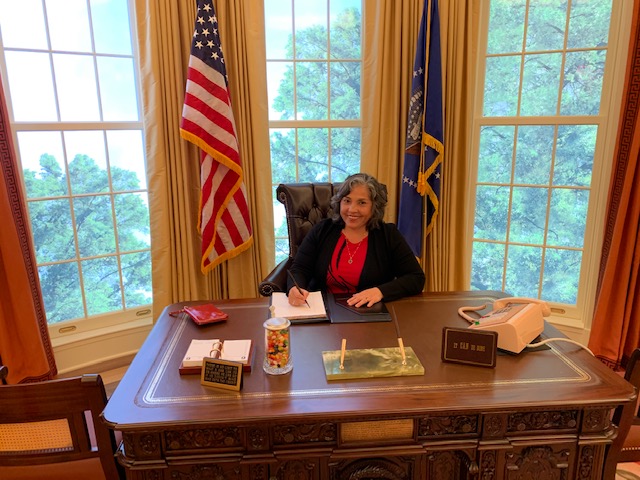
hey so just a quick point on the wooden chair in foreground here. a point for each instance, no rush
(52, 430)
(626, 446)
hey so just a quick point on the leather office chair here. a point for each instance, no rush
(52, 430)
(305, 204)
(626, 446)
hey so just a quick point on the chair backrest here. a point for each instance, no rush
(52, 430)
(305, 204)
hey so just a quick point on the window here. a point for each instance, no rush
(539, 138)
(313, 69)
(73, 97)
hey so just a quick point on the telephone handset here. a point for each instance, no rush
(517, 320)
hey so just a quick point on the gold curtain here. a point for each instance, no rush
(24, 338)
(173, 168)
(615, 332)
(390, 36)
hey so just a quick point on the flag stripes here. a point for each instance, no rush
(207, 121)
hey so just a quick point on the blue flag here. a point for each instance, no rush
(424, 142)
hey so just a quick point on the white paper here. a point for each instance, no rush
(316, 308)
(232, 350)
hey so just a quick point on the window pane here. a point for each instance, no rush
(311, 91)
(568, 217)
(345, 153)
(52, 230)
(574, 155)
(345, 24)
(523, 271)
(31, 87)
(501, 86)
(546, 27)
(76, 86)
(111, 26)
(61, 292)
(43, 165)
(136, 277)
(63, 13)
(345, 90)
(14, 16)
(528, 215)
(132, 221)
(496, 150)
(280, 90)
(117, 89)
(582, 86)
(88, 162)
(278, 29)
(506, 26)
(540, 83)
(561, 274)
(491, 213)
(534, 151)
(487, 261)
(126, 158)
(589, 23)
(102, 285)
(94, 224)
(283, 155)
(313, 145)
(311, 29)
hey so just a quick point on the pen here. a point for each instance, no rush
(297, 286)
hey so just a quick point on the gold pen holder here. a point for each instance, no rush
(277, 346)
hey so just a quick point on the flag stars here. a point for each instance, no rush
(198, 44)
(409, 181)
(205, 32)
(207, 7)
(200, 20)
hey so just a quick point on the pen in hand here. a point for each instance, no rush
(297, 286)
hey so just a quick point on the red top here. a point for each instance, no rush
(346, 265)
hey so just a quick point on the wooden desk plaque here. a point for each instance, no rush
(220, 373)
(470, 347)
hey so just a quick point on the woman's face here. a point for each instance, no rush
(356, 208)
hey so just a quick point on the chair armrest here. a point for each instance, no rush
(276, 281)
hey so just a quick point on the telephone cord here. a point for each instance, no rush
(543, 342)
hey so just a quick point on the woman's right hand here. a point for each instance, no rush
(296, 298)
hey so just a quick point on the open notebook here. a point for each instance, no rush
(314, 312)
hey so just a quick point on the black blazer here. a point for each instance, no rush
(389, 265)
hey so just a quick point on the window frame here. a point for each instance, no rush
(576, 319)
(79, 329)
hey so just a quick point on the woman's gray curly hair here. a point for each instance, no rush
(377, 192)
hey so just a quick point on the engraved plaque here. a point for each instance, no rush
(377, 430)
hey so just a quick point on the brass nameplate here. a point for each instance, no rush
(377, 430)
(221, 374)
(471, 347)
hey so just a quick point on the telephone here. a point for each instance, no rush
(517, 320)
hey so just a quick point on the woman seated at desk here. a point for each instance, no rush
(355, 251)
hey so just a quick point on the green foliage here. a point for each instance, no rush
(327, 88)
(534, 174)
(70, 271)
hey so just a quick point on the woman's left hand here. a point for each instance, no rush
(366, 297)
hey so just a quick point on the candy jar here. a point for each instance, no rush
(277, 346)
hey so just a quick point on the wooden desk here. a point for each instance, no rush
(539, 415)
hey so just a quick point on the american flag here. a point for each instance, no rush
(207, 121)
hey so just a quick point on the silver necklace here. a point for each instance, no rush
(351, 255)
